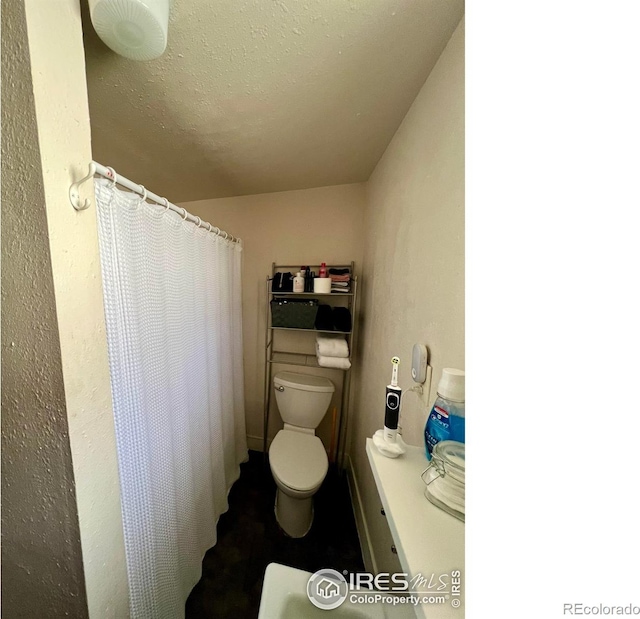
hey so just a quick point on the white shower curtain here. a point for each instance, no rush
(173, 314)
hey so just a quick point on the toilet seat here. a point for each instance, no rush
(298, 460)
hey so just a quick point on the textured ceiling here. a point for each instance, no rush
(264, 95)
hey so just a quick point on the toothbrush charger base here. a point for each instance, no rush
(390, 450)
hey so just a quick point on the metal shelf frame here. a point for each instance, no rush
(271, 354)
(314, 294)
(310, 330)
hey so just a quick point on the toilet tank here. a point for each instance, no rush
(302, 399)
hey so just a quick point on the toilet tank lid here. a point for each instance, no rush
(304, 382)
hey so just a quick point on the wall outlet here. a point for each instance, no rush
(427, 382)
(426, 394)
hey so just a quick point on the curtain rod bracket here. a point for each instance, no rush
(74, 190)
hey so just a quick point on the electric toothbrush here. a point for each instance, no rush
(392, 404)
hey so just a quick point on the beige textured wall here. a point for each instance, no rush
(42, 572)
(413, 274)
(60, 95)
(293, 227)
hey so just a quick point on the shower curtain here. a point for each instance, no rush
(173, 315)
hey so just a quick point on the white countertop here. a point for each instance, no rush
(429, 541)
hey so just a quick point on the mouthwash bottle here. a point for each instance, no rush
(446, 419)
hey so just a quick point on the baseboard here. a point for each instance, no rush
(361, 521)
(254, 443)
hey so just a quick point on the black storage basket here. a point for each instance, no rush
(294, 313)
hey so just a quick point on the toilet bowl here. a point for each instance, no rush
(297, 456)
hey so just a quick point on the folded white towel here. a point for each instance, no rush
(339, 363)
(331, 346)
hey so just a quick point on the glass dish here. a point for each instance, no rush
(445, 478)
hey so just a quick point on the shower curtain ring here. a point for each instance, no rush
(166, 205)
(226, 236)
(197, 222)
(144, 193)
(114, 176)
(210, 227)
(184, 214)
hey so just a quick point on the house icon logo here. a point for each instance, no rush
(327, 589)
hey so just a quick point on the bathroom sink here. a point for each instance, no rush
(284, 596)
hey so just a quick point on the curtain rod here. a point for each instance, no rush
(110, 173)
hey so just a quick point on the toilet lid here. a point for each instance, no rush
(298, 459)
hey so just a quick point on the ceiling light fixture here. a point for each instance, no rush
(135, 29)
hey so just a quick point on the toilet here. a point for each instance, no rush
(297, 456)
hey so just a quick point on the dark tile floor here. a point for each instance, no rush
(249, 539)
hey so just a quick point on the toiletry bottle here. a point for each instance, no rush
(298, 282)
(446, 420)
(323, 270)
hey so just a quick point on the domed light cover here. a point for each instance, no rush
(135, 29)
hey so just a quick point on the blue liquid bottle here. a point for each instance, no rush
(446, 419)
(456, 423)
